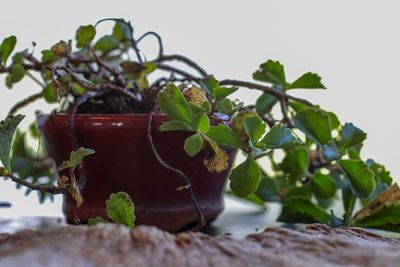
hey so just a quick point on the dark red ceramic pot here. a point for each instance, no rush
(124, 161)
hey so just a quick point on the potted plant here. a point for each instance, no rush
(169, 137)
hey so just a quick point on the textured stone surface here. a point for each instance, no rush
(112, 245)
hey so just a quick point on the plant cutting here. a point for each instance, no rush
(168, 136)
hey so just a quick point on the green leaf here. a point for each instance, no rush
(48, 56)
(254, 127)
(323, 185)
(296, 163)
(84, 35)
(303, 191)
(244, 179)
(225, 106)
(265, 103)
(77, 89)
(349, 202)
(120, 209)
(77, 156)
(271, 72)
(3, 172)
(279, 136)
(50, 93)
(201, 123)
(224, 136)
(122, 31)
(7, 130)
(268, 189)
(96, 220)
(334, 120)
(193, 144)
(6, 48)
(222, 92)
(175, 125)
(209, 84)
(173, 104)
(351, 136)
(330, 152)
(315, 124)
(307, 81)
(17, 72)
(302, 210)
(106, 44)
(361, 178)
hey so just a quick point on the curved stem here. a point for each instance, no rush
(202, 220)
(24, 103)
(185, 60)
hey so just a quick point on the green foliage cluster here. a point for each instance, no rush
(313, 159)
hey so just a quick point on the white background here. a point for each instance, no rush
(353, 45)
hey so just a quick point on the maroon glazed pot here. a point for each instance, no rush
(124, 161)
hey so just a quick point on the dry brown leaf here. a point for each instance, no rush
(75, 192)
(62, 181)
(195, 96)
(386, 198)
(217, 159)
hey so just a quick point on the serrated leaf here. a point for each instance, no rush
(334, 120)
(268, 189)
(382, 212)
(225, 106)
(84, 35)
(271, 72)
(48, 56)
(265, 103)
(352, 136)
(254, 127)
(315, 124)
(323, 185)
(175, 125)
(173, 104)
(302, 210)
(308, 80)
(221, 92)
(122, 31)
(225, 137)
(361, 178)
(106, 44)
(279, 136)
(120, 209)
(209, 84)
(201, 123)
(244, 179)
(96, 220)
(193, 144)
(6, 48)
(296, 163)
(78, 155)
(7, 131)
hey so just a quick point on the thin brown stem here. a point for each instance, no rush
(43, 188)
(24, 102)
(184, 60)
(202, 220)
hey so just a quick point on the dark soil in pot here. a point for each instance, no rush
(124, 161)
